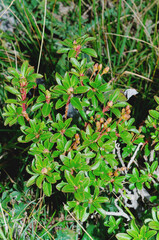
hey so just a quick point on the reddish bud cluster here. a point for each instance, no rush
(77, 141)
(48, 96)
(105, 70)
(125, 114)
(44, 171)
(77, 49)
(70, 90)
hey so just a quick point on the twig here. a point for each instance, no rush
(151, 155)
(133, 157)
(120, 213)
(117, 146)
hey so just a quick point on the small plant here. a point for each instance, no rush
(81, 155)
(146, 232)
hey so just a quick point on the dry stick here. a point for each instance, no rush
(77, 222)
(117, 146)
(7, 8)
(133, 157)
(42, 40)
(119, 213)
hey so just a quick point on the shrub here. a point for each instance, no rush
(93, 156)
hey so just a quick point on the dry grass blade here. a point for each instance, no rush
(6, 226)
(7, 8)
(106, 40)
(133, 38)
(43, 228)
(137, 75)
(137, 17)
(77, 222)
(42, 40)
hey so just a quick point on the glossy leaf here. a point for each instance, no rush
(46, 109)
(90, 52)
(47, 188)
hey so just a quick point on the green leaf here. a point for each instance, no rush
(120, 104)
(150, 234)
(156, 99)
(94, 147)
(136, 172)
(39, 180)
(81, 89)
(88, 39)
(123, 236)
(72, 53)
(46, 109)
(126, 136)
(68, 188)
(154, 166)
(132, 233)
(24, 67)
(67, 43)
(21, 120)
(157, 147)
(110, 158)
(47, 188)
(102, 199)
(59, 104)
(139, 185)
(90, 52)
(63, 50)
(12, 122)
(13, 72)
(154, 225)
(154, 114)
(7, 121)
(70, 179)
(116, 112)
(36, 106)
(76, 103)
(83, 115)
(12, 90)
(113, 97)
(11, 101)
(79, 195)
(134, 226)
(94, 102)
(59, 78)
(31, 181)
(75, 63)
